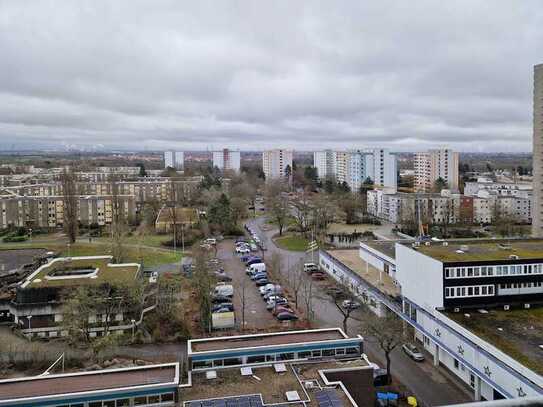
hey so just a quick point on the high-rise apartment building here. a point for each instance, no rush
(325, 163)
(227, 160)
(435, 164)
(354, 167)
(537, 212)
(174, 159)
(275, 163)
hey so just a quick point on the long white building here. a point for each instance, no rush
(174, 159)
(227, 160)
(275, 163)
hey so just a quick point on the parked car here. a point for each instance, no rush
(225, 305)
(282, 308)
(218, 299)
(271, 304)
(413, 352)
(258, 275)
(222, 310)
(242, 250)
(222, 276)
(224, 289)
(286, 316)
(211, 241)
(310, 267)
(262, 281)
(349, 304)
(253, 260)
(265, 289)
(318, 276)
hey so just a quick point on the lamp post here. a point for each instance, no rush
(133, 328)
(29, 317)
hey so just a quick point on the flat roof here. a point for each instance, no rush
(268, 339)
(87, 381)
(516, 332)
(380, 280)
(105, 272)
(386, 247)
(472, 250)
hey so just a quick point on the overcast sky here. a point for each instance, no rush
(157, 74)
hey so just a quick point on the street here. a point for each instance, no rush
(433, 386)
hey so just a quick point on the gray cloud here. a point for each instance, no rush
(190, 75)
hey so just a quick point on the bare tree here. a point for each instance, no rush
(301, 212)
(70, 203)
(203, 283)
(345, 303)
(243, 301)
(307, 295)
(280, 212)
(295, 280)
(387, 331)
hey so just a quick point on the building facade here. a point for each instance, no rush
(537, 223)
(174, 159)
(227, 160)
(325, 163)
(275, 163)
(435, 164)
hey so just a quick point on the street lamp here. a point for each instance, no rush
(133, 328)
(29, 317)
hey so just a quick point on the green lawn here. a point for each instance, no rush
(292, 243)
(149, 256)
(146, 240)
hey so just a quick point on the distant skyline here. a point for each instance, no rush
(169, 74)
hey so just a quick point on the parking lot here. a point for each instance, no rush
(257, 317)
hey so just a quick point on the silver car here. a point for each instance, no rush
(413, 352)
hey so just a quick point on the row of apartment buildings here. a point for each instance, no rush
(446, 207)
(224, 160)
(354, 167)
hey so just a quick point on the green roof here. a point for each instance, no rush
(483, 250)
(97, 270)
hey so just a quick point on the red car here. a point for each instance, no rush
(282, 308)
(318, 276)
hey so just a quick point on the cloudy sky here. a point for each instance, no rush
(157, 74)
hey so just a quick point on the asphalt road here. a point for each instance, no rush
(433, 386)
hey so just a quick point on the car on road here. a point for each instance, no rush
(311, 268)
(286, 316)
(350, 304)
(413, 352)
(318, 276)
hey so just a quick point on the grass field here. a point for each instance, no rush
(292, 243)
(147, 255)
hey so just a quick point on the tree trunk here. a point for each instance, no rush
(345, 319)
(389, 377)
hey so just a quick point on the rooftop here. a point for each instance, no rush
(87, 381)
(267, 386)
(515, 332)
(280, 338)
(386, 247)
(482, 250)
(74, 271)
(351, 259)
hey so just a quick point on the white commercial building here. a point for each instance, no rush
(174, 159)
(227, 160)
(275, 163)
(435, 164)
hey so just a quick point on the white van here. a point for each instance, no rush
(256, 268)
(226, 290)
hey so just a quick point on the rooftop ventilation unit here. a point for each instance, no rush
(527, 306)
(506, 307)
(427, 243)
(445, 243)
(457, 309)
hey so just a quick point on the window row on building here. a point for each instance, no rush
(490, 271)
(469, 291)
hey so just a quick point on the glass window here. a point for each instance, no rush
(77, 405)
(490, 271)
(483, 271)
(316, 354)
(122, 403)
(302, 355)
(109, 403)
(232, 361)
(483, 290)
(340, 351)
(286, 356)
(256, 359)
(470, 271)
(476, 271)
(470, 291)
(491, 290)
(476, 291)
(154, 399)
(95, 404)
(166, 397)
(352, 351)
(328, 352)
